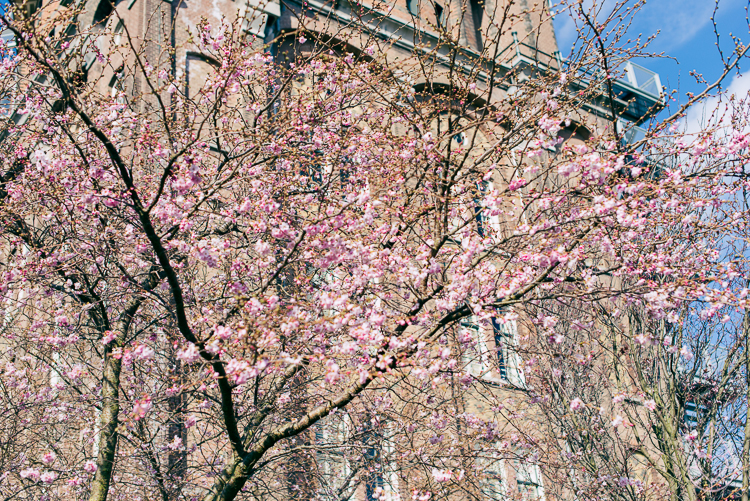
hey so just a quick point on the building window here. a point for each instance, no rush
(477, 15)
(508, 361)
(479, 215)
(693, 414)
(477, 354)
(117, 32)
(102, 13)
(116, 88)
(381, 484)
(54, 370)
(413, 7)
(474, 354)
(529, 481)
(374, 481)
(439, 15)
(493, 487)
(334, 470)
(494, 482)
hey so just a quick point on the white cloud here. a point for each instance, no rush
(677, 22)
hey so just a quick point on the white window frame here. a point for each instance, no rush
(475, 358)
(482, 362)
(494, 483)
(332, 467)
(529, 475)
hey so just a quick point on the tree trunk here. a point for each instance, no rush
(111, 403)
(109, 420)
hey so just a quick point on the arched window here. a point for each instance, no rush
(413, 7)
(198, 69)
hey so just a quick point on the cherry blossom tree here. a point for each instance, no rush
(322, 272)
(653, 403)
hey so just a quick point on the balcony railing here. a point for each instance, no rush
(630, 133)
(644, 79)
(637, 94)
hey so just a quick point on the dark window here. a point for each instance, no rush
(102, 12)
(344, 176)
(692, 414)
(374, 481)
(477, 13)
(439, 14)
(316, 175)
(479, 215)
(502, 338)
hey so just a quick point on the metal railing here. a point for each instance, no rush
(637, 91)
(634, 75)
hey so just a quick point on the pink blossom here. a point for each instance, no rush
(576, 404)
(30, 473)
(89, 466)
(76, 372)
(144, 352)
(641, 339)
(686, 354)
(48, 477)
(109, 336)
(441, 475)
(175, 444)
(557, 338)
(141, 408)
(650, 405)
(190, 354)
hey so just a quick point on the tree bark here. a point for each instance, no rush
(111, 403)
(109, 420)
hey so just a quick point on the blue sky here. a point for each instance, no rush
(686, 33)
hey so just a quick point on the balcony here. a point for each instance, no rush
(630, 133)
(637, 93)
